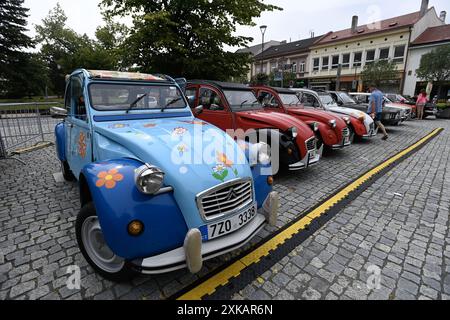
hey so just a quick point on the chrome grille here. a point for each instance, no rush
(225, 199)
(346, 132)
(311, 144)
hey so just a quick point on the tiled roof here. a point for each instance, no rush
(288, 48)
(385, 25)
(254, 50)
(434, 34)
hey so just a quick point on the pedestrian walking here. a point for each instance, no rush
(422, 100)
(376, 109)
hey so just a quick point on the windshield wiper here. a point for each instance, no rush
(170, 103)
(135, 102)
(242, 104)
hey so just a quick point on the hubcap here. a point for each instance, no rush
(97, 249)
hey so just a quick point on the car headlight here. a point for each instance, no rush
(149, 179)
(347, 120)
(314, 126)
(332, 123)
(293, 132)
(263, 153)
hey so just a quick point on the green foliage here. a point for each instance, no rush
(435, 66)
(261, 79)
(379, 72)
(17, 67)
(187, 37)
(65, 50)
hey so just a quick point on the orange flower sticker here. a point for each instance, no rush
(109, 179)
(222, 158)
(82, 145)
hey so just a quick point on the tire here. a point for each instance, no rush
(95, 250)
(66, 172)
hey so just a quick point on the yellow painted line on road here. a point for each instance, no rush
(209, 286)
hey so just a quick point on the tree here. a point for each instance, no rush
(435, 66)
(379, 72)
(65, 50)
(13, 40)
(187, 37)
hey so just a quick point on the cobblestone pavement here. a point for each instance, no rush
(400, 225)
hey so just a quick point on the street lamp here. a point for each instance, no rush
(263, 32)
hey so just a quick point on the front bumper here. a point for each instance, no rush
(345, 141)
(311, 158)
(372, 132)
(429, 112)
(195, 252)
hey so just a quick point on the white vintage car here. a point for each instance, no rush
(361, 123)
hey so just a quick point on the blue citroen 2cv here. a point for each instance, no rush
(160, 190)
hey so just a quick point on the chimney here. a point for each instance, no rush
(354, 23)
(443, 16)
(424, 7)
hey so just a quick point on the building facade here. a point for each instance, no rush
(348, 51)
(254, 51)
(287, 60)
(428, 41)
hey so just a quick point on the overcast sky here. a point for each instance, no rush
(295, 22)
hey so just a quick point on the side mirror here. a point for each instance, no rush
(198, 111)
(58, 113)
(191, 100)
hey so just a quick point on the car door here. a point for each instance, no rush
(79, 148)
(215, 109)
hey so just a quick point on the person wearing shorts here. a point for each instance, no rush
(421, 102)
(376, 109)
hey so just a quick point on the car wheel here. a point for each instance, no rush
(66, 172)
(95, 249)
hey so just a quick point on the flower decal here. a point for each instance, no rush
(220, 172)
(119, 126)
(182, 149)
(179, 131)
(221, 157)
(82, 145)
(109, 179)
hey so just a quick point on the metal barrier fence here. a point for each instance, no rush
(23, 125)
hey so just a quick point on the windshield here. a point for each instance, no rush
(290, 99)
(114, 97)
(346, 98)
(242, 100)
(327, 99)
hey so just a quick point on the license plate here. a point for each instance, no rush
(232, 224)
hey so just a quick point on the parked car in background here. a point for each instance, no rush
(333, 131)
(398, 98)
(361, 124)
(342, 99)
(232, 106)
(364, 97)
(147, 207)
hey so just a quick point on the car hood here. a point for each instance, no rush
(277, 120)
(191, 165)
(352, 113)
(318, 115)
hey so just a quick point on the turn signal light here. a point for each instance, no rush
(135, 228)
(270, 181)
(290, 151)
